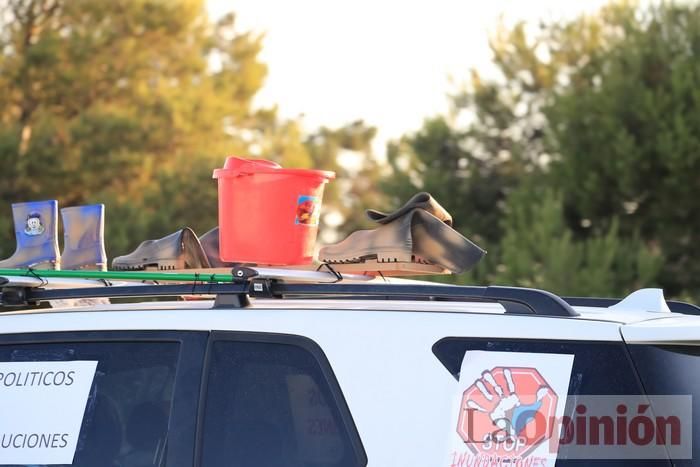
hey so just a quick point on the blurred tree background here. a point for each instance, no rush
(574, 167)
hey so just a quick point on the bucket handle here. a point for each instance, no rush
(252, 166)
(240, 167)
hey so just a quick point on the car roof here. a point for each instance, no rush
(642, 306)
(604, 314)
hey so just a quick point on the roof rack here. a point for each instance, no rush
(674, 305)
(249, 282)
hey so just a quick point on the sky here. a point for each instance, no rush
(391, 63)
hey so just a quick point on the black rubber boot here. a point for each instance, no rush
(420, 231)
(421, 200)
(210, 244)
(179, 250)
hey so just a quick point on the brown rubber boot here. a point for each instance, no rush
(179, 250)
(415, 236)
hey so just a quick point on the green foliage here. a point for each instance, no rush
(598, 112)
(348, 152)
(540, 251)
(472, 188)
(132, 103)
(627, 141)
(574, 166)
(436, 160)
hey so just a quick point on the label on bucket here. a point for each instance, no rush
(308, 210)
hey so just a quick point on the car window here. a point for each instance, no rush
(599, 368)
(672, 370)
(273, 404)
(126, 416)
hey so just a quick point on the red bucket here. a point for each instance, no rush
(267, 214)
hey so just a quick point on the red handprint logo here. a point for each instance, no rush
(507, 411)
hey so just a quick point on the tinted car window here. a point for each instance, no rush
(126, 417)
(599, 368)
(672, 370)
(272, 404)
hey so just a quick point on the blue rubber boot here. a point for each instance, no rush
(83, 237)
(83, 246)
(36, 234)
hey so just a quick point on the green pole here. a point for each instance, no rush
(119, 275)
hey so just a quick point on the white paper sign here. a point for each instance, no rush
(41, 410)
(507, 409)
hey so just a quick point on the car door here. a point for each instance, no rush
(600, 374)
(273, 400)
(123, 398)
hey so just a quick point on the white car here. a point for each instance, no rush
(349, 375)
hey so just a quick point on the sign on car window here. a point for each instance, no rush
(93, 404)
(32, 430)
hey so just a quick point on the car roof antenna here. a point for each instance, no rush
(643, 300)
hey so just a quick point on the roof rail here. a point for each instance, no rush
(514, 300)
(675, 306)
